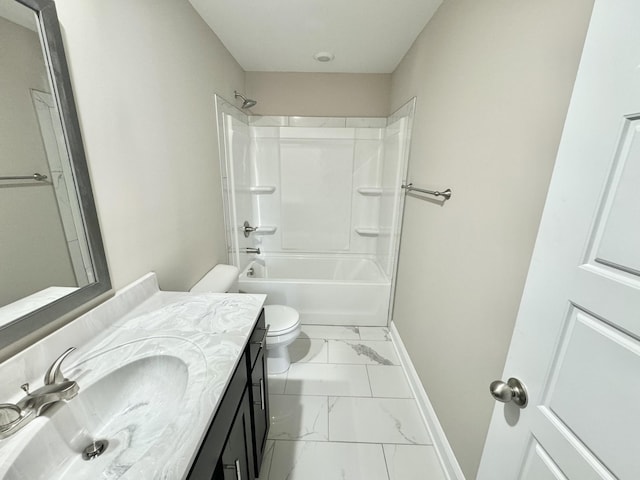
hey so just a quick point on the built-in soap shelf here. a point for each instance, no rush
(368, 231)
(262, 189)
(370, 191)
(373, 231)
(265, 230)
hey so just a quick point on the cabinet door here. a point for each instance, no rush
(237, 456)
(209, 456)
(259, 407)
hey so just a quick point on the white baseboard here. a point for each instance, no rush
(448, 460)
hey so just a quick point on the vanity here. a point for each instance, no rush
(244, 413)
(172, 384)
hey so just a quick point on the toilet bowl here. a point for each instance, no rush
(283, 321)
(284, 328)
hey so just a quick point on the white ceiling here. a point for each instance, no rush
(366, 36)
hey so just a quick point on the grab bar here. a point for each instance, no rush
(446, 193)
(38, 177)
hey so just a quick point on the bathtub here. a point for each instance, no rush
(325, 290)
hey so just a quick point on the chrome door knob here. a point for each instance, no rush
(512, 391)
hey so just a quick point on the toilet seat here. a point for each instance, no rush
(281, 319)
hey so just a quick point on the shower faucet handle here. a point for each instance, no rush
(247, 229)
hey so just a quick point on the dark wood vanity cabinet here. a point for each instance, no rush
(234, 444)
(237, 460)
(259, 390)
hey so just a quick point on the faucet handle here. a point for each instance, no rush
(54, 374)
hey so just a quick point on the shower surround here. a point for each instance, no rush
(324, 197)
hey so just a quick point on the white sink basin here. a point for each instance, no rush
(133, 406)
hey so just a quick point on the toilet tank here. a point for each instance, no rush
(221, 279)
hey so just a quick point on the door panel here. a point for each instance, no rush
(595, 395)
(620, 224)
(540, 466)
(576, 341)
(575, 460)
(607, 294)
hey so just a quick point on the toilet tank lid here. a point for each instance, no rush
(218, 280)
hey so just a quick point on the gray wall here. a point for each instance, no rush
(320, 94)
(33, 246)
(493, 81)
(144, 75)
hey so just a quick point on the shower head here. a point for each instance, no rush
(246, 102)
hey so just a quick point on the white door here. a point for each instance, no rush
(576, 343)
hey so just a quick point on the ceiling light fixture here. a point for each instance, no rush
(324, 56)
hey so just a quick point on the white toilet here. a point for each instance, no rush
(283, 321)
(284, 328)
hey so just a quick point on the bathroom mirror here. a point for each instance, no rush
(53, 259)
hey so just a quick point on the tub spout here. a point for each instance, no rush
(250, 250)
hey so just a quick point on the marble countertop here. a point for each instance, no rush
(179, 351)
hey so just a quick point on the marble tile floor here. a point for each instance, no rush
(344, 411)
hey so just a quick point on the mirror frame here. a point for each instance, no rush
(56, 64)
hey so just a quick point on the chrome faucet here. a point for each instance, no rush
(250, 250)
(56, 388)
